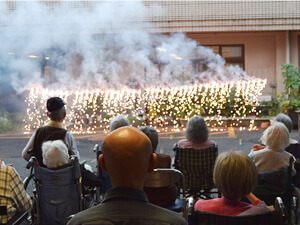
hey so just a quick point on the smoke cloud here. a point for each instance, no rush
(97, 45)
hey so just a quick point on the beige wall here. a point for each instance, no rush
(264, 51)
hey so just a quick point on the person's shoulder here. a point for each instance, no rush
(85, 216)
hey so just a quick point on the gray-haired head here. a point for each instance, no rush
(285, 119)
(118, 121)
(58, 115)
(152, 135)
(196, 130)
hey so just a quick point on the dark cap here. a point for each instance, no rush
(54, 104)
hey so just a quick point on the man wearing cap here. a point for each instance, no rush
(53, 130)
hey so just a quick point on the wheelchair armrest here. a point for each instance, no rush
(280, 207)
(190, 206)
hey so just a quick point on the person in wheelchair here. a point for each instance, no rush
(235, 176)
(162, 196)
(13, 197)
(276, 139)
(55, 154)
(196, 135)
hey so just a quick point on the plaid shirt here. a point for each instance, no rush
(12, 193)
(197, 166)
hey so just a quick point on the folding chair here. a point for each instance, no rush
(278, 183)
(166, 177)
(277, 217)
(197, 167)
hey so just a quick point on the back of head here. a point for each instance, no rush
(235, 174)
(56, 108)
(196, 130)
(117, 122)
(126, 156)
(285, 119)
(152, 135)
(55, 153)
(276, 136)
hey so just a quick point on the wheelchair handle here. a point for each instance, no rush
(31, 162)
(96, 148)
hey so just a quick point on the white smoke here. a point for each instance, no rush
(96, 45)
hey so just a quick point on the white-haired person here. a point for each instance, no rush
(196, 135)
(273, 157)
(293, 147)
(55, 154)
(235, 175)
(115, 123)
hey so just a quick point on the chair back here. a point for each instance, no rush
(276, 217)
(58, 193)
(274, 184)
(167, 177)
(197, 166)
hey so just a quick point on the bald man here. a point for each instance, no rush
(127, 157)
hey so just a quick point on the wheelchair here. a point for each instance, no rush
(56, 194)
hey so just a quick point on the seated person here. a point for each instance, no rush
(163, 160)
(13, 196)
(293, 147)
(162, 196)
(115, 123)
(273, 156)
(127, 157)
(55, 154)
(196, 135)
(235, 176)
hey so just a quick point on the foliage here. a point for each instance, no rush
(289, 98)
(6, 119)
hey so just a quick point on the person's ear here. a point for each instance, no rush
(152, 162)
(65, 113)
(101, 163)
(47, 114)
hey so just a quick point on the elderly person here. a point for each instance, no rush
(293, 147)
(115, 123)
(163, 160)
(53, 130)
(13, 196)
(55, 154)
(276, 139)
(235, 176)
(128, 158)
(162, 196)
(196, 135)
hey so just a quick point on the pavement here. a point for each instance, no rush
(12, 144)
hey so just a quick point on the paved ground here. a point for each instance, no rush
(11, 144)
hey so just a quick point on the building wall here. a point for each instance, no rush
(264, 52)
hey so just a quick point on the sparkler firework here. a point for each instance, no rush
(164, 108)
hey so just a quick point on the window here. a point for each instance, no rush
(233, 54)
